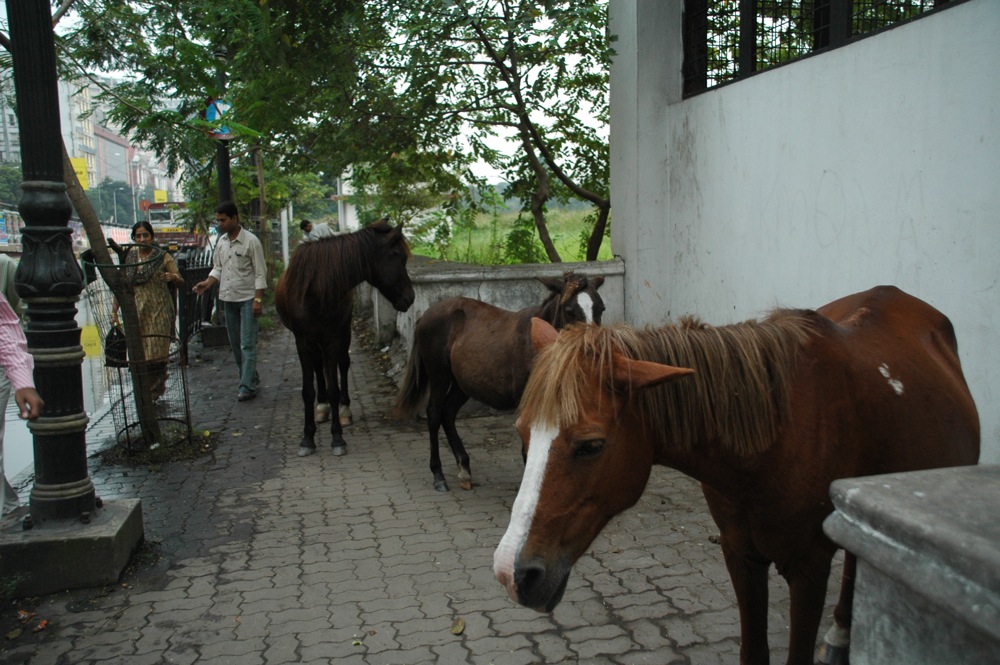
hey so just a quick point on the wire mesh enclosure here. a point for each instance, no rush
(147, 390)
(726, 40)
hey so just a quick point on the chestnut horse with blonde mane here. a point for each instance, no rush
(466, 348)
(315, 299)
(765, 414)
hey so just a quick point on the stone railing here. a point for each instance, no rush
(509, 287)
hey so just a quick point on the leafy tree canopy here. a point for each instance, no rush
(407, 93)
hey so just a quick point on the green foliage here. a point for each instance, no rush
(407, 93)
(10, 184)
(484, 239)
(522, 245)
(114, 200)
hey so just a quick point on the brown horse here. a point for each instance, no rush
(466, 348)
(765, 414)
(315, 298)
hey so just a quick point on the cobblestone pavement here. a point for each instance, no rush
(256, 555)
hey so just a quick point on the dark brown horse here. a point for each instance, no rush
(315, 298)
(466, 348)
(765, 414)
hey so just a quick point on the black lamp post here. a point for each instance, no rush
(70, 539)
(48, 277)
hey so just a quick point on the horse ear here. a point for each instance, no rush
(597, 281)
(553, 284)
(639, 374)
(542, 333)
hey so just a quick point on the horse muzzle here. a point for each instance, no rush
(535, 585)
(405, 300)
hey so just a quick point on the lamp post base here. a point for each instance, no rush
(67, 554)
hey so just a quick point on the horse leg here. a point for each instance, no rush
(308, 358)
(807, 580)
(748, 574)
(344, 410)
(836, 644)
(452, 403)
(748, 570)
(322, 401)
(338, 445)
(435, 409)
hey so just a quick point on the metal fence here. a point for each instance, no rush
(194, 311)
(727, 40)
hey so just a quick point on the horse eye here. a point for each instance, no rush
(590, 448)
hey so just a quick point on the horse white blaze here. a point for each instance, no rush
(586, 303)
(523, 512)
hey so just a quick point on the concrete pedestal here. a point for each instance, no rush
(69, 554)
(928, 548)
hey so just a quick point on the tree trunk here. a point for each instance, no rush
(540, 196)
(597, 234)
(122, 291)
(264, 227)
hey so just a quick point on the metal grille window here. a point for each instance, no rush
(726, 40)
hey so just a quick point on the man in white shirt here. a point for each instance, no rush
(239, 269)
(312, 232)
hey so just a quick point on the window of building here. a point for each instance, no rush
(727, 40)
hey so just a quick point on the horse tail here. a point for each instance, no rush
(414, 387)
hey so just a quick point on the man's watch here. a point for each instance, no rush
(258, 300)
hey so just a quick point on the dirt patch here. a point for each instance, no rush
(201, 444)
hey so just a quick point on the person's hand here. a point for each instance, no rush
(200, 287)
(30, 403)
(258, 309)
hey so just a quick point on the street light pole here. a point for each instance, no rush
(48, 277)
(72, 539)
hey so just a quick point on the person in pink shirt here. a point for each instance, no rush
(18, 363)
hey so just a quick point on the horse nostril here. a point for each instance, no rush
(528, 576)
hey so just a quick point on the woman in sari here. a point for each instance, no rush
(154, 270)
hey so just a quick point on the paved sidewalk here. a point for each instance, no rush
(260, 556)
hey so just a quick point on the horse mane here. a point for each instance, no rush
(324, 270)
(738, 395)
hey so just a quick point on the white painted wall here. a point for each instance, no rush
(876, 163)
(347, 212)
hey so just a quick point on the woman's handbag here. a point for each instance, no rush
(115, 352)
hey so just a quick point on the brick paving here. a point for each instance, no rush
(258, 556)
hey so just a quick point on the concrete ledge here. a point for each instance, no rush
(928, 548)
(69, 554)
(509, 287)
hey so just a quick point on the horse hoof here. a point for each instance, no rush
(467, 484)
(441, 485)
(831, 655)
(339, 451)
(344, 413)
(305, 451)
(836, 646)
(323, 412)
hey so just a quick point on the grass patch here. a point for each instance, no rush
(503, 239)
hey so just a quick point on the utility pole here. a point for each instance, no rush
(70, 538)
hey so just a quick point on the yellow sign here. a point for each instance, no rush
(80, 166)
(90, 340)
(159, 196)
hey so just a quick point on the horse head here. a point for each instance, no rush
(388, 265)
(574, 299)
(585, 458)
